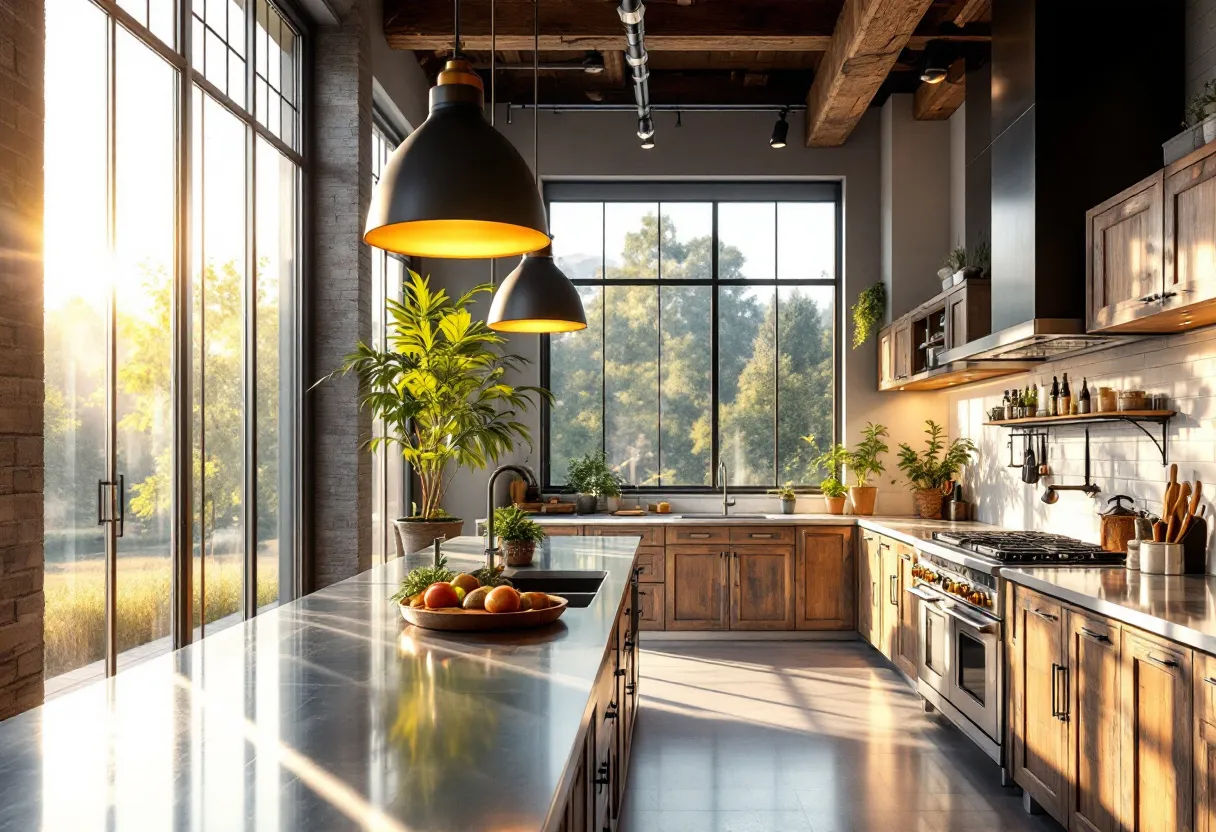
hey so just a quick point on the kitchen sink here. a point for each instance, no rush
(577, 587)
(708, 515)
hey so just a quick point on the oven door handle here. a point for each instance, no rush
(984, 627)
(923, 595)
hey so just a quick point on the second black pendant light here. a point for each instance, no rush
(536, 296)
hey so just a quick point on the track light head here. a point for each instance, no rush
(593, 63)
(646, 128)
(780, 130)
(648, 143)
(935, 63)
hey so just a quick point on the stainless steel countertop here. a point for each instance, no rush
(327, 713)
(1178, 607)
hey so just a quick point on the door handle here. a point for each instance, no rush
(1098, 637)
(1055, 691)
(1168, 663)
(905, 556)
(1064, 694)
(735, 557)
(884, 545)
(891, 595)
(101, 486)
(1150, 298)
(122, 508)
(1046, 616)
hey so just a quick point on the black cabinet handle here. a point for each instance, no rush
(620, 671)
(600, 782)
(1099, 637)
(1150, 298)
(1046, 616)
(122, 508)
(1167, 295)
(630, 688)
(1064, 694)
(1170, 663)
(101, 485)
(1209, 680)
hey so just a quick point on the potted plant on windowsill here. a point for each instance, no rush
(832, 460)
(591, 478)
(517, 535)
(440, 388)
(864, 463)
(788, 497)
(930, 474)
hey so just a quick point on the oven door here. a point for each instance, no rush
(974, 677)
(933, 655)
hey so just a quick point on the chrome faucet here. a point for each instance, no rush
(529, 478)
(727, 500)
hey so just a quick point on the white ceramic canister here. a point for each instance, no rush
(1133, 555)
(1152, 557)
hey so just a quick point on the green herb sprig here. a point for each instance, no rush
(421, 578)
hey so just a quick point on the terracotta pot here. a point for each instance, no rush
(863, 497)
(835, 504)
(416, 535)
(928, 503)
(517, 552)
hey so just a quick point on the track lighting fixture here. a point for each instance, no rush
(780, 130)
(646, 128)
(648, 143)
(593, 63)
(935, 63)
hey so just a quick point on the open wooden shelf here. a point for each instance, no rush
(1159, 416)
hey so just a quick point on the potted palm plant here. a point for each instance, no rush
(930, 474)
(864, 463)
(832, 460)
(788, 497)
(440, 387)
(591, 478)
(517, 534)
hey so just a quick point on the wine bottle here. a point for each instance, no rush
(1083, 399)
(1007, 405)
(1055, 396)
(1065, 398)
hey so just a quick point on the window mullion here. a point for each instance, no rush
(714, 385)
(249, 410)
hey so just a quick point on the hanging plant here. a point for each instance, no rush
(868, 312)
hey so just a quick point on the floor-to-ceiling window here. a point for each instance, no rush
(172, 236)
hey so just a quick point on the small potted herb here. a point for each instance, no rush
(962, 265)
(1199, 124)
(787, 495)
(517, 534)
(868, 311)
(831, 461)
(864, 463)
(591, 478)
(930, 474)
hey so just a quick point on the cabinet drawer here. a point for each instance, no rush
(762, 534)
(651, 535)
(563, 530)
(651, 564)
(1205, 687)
(698, 534)
(652, 606)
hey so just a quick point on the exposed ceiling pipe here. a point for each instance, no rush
(631, 13)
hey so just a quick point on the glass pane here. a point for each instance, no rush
(685, 371)
(287, 60)
(75, 310)
(687, 240)
(198, 35)
(394, 478)
(972, 658)
(747, 238)
(578, 238)
(260, 37)
(576, 381)
(217, 61)
(260, 105)
(379, 454)
(631, 382)
(143, 295)
(217, 16)
(138, 9)
(746, 376)
(236, 26)
(236, 79)
(162, 20)
(631, 239)
(276, 259)
(218, 279)
(806, 338)
(288, 130)
(274, 57)
(806, 240)
(273, 111)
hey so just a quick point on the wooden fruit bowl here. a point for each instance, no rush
(468, 621)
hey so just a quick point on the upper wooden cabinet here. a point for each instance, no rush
(1190, 241)
(907, 349)
(826, 579)
(886, 357)
(968, 312)
(903, 348)
(1124, 268)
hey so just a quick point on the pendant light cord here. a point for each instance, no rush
(493, 89)
(536, 92)
(456, 29)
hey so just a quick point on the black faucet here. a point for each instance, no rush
(529, 478)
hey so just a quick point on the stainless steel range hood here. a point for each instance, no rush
(1033, 341)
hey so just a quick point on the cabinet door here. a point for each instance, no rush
(696, 588)
(889, 598)
(651, 564)
(1205, 743)
(826, 580)
(651, 603)
(1190, 241)
(1124, 268)
(1156, 737)
(1040, 736)
(907, 643)
(968, 312)
(867, 587)
(1093, 723)
(886, 357)
(762, 588)
(903, 348)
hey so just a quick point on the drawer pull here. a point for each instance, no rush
(1099, 637)
(884, 545)
(1171, 663)
(1209, 680)
(630, 688)
(1046, 616)
(905, 556)
(698, 535)
(760, 535)
(620, 671)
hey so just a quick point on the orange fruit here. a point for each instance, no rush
(539, 600)
(502, 599)
(440, 595)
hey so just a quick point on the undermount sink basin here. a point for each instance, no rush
(577, 587)
(719, 516)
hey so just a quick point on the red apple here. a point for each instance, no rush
(441, 595)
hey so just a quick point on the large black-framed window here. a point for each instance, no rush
(712, 332)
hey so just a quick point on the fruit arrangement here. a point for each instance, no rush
(484, 594)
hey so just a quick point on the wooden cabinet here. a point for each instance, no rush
(1190, 240)
(903, 348)
(762, 587)
(696, 588)
(651, 535)
(888, 589)
(825, 580)
(651, 564)
(869, 568)
(563, 531)
(906, 638)
(1036, 688)
(1205, 743)
(886, 357)
(1156, 735)
(968, 312)
(651, 606)
(1124, 238)
(698, 535)
(1092, 716)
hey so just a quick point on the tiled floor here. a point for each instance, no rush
(822, 736)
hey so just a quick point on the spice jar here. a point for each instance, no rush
(1108, 400)
(1132, 400)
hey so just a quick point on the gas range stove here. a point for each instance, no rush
(1037, 548)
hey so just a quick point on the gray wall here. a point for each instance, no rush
(400, 86)
(723, 146)
(958, 177)
(1200, 44)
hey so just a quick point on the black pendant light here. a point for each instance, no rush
(456, 187)
(536, 296)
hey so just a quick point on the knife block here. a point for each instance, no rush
(1195, 548)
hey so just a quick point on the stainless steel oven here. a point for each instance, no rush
(960, 665)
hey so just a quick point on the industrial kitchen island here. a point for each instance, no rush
(331, 712)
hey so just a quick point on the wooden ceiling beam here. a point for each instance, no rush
(937, 102)
(573, 25)
(866, 43)
(971, 10)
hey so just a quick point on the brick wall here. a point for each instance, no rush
(1124, 461)
(21, 108)
(340, 295)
